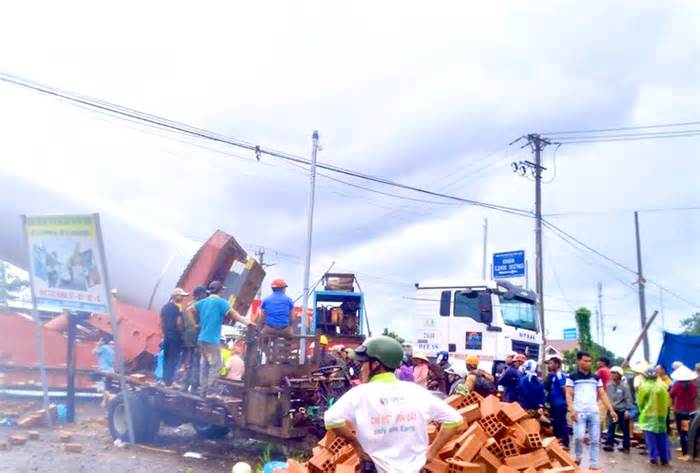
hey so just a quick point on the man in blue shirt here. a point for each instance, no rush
(510, 379)
(555, 385)
(276, 311)
(210, 314)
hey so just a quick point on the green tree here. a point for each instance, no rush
(393, 335)
(10, 285)
(583, 322)
(691, 325)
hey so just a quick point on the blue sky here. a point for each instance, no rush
(426, 96)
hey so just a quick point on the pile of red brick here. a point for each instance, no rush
(38, 418)
(496, 437)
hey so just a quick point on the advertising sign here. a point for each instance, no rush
(570, 334)
(510, 264)
(65, 254)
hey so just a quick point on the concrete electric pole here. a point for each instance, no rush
(641, 282)
(309, 234)
(537, 144)
(485, 258)
(601, 317)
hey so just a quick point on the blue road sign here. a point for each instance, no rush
(570, 334)
(509, 265)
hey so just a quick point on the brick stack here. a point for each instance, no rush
(496, 437)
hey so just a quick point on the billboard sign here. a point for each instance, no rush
(510, 264)
(66, 255)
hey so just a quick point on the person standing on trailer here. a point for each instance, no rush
(171, 324)
(190, 334)
(210, 314)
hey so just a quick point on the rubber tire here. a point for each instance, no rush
(694, 437)
(171, 420)
(210, 431)
(145, 419)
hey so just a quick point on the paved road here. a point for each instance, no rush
(636, 463)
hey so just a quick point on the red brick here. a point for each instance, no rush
(519, 435)
(535, 459)
(495, 449)
(327, 439)
(435, 465)
(490, 460)
(564, 469)
(470, 448)
(456, 442)
(474, 398)
(490, 405)
(491, 425)
(540, 459)
(531, 426)
(457, 401)
(534, 441)
(509, 447)
(72, 447)
(459, 466)
(530, 470)
(322, 462)
(18, 439)
(513, 411)
(65, 436)
(470, 413)
(352, 465)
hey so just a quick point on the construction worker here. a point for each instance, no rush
(327, 359)
(171, 324)
(477, 380)
(653, 402)
(388, 415)
(210, 314)
(276, 311)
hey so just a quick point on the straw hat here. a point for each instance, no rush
(640, 367)
(684, 374)
(421, 356)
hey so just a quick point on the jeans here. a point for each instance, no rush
(191, 359)
(561, 427)
(210, 364)
(680, 417)
(172, 349)
(657, 446)
(590, 421)
(612, 426)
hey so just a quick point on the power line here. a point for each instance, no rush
(161, 122)
(565, 235)
(641, 127)
(613, 212)
(639, 138)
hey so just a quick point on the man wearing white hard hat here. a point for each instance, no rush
(621, 399)
(683, 394)
(171, 324)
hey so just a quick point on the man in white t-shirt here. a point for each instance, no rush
(390, 416)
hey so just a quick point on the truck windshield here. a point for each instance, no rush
(518, 313)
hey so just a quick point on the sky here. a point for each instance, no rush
(427, 96)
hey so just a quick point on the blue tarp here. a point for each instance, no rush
(683, 348)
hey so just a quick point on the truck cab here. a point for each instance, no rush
(486, 318)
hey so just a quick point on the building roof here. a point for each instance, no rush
(563, 345)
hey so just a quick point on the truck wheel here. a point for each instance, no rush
(694, 437)
(210, 431)
(145, 419)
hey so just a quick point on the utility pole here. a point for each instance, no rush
(641, 281)
(601, 318)
(486, 236)
(661, 308)
(260, 254)
(309, 234)
(537, 144)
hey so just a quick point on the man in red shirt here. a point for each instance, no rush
(604, 371)
(683, 394)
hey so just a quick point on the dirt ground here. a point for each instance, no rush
(100, 455)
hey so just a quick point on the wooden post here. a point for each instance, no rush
(641, 336)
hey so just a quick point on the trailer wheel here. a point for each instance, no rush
(210, 431)
(145, 419)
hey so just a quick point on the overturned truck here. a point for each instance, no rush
(280, 397)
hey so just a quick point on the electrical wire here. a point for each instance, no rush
(554, 165)
(626, 128)
(613, 212)
(120, 111)
(639, 138)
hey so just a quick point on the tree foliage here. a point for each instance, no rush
(583, 322)
(691, 325)
(393, 335)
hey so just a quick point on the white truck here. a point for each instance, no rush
(486, 318)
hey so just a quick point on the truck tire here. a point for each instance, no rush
(210, 431)
(145, 419)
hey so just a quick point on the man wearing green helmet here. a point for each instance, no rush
(389, 416)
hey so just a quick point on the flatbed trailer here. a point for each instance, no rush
(279, 399)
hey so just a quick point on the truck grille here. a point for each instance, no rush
(531, 350)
